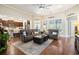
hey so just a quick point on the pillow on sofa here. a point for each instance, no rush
(54, 33)
(24, 33)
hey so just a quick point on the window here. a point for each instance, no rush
(37, 24)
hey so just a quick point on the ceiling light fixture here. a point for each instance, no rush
(44, 6)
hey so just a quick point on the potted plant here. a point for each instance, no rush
(3, 41)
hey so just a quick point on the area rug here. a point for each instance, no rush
(31, 48)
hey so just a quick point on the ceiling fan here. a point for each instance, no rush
(44, 6)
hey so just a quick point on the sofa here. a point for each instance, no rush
(77, 43)
(26, 35)
(53, 34)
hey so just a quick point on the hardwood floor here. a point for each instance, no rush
(62, 46)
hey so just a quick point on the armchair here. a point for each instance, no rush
(53, 34)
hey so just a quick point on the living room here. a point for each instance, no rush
(38, 29)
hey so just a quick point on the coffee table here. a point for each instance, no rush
(39, 39)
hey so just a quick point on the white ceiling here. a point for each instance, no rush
(35, 10)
